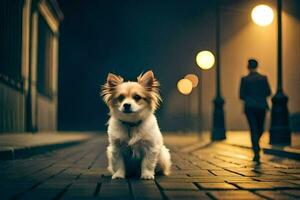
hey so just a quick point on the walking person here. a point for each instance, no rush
(254, 90)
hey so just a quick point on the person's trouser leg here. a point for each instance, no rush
(254, 129)
(261, 114)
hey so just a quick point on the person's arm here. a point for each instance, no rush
(242, 89)
(268, 89)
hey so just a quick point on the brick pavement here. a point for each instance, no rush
(218, 171)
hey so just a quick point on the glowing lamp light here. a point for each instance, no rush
(185, 86)
(193, 78)
(262, 15)
(205, 59)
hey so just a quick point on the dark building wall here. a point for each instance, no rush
(12, 112)
(27, 89)
(12, 99)
(11, 38)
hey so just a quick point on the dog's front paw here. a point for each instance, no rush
(147, 176)
(118, 175)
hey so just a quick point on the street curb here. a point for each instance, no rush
(277, 151)
(25, 152)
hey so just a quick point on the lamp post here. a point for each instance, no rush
(205, 60)
(280, 132)
(218, 129)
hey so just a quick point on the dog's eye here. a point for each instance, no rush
(120, 97)
(137, 97)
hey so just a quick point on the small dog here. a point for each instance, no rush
(135, 141)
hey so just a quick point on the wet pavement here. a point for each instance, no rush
(215, 171)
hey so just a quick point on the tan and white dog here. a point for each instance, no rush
(135, 141)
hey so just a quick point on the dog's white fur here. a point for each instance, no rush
(142, 140)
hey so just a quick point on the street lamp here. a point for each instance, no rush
(262, 15)
(193, 78)
(205, 60)
(280, 132)
(185, 86)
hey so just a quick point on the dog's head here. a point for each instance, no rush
(131, 101)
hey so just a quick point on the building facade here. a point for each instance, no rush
(29, 31)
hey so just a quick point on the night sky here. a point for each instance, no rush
(127, 38)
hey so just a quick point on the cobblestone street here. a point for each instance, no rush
(216, 171)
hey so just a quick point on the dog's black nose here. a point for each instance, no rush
(127, 107)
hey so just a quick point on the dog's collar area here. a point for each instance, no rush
(131, 124)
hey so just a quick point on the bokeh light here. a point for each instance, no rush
(262, 15)
(205, 59)
(193, 78)
(185, 86)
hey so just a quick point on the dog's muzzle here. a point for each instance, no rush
(127, 108)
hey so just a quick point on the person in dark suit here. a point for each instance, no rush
(254, 90)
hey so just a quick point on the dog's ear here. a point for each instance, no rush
(148, 80)
(114, 80)
(109, 87)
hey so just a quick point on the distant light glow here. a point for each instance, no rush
(185, 86)
(205, 59)
(193, 78)
(262, 15)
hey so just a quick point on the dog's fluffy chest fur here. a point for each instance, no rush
(133, 149)
(136, 139)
